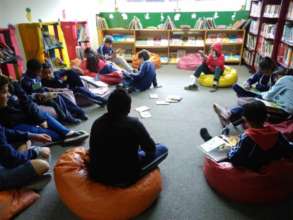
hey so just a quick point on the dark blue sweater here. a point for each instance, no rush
(9, 156)
(104, 51)
(146, 76)
(263, 82)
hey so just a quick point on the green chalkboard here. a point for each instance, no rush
(224, 18)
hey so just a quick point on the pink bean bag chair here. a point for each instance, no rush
(190, 61)
(272, 183)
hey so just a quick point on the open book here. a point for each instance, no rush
(272, 107)
(218, 147)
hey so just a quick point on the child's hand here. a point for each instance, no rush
(44, 138)
(45, 152)
(44, 124)
(246, 85)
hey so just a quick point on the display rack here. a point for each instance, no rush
(10, 62)
(268, 18)
(49, 42)
(173, 44)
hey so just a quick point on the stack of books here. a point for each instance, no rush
(232, 57)
(268, 30)
(205, 23)
(288, 34)
(254, 25)
(284, 55)
(255, 9)
(224, 38)
(152, 42)
(265, 47)
(102, 23)
(272, 11)
(290, 12)
(251, 42)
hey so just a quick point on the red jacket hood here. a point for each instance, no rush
(217, 47)
(265, 137)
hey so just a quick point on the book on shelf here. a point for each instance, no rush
(117, 38)
(224, 38)
(102, 23)
(284, 55)
(272, 11)
(251, 41)
(288, 34)
(254, 25)
(268, 30)
(265, 47)
(257, 60)
(248, 57)
(190, 41)
(290, 12)
(255, 9)
(205, 23)
(152, 42)
(232, 57)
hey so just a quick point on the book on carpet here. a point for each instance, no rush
(154, 96)
(173, 98)
(142, 108)
(145, 114)
(162, 102)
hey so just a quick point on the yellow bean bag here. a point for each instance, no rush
(228, 78)
(94, 201)
(155, 58)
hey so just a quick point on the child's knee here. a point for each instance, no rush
(40, 166)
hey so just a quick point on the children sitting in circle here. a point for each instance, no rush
(106, 52)
(212, 64)
(259, 144)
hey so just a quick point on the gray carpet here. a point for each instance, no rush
(186, 194)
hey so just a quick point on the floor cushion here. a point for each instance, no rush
(286, 128)
(272, 183)
(189, 61)
(228, 78)
(13, 202)
(111, 78)
(92, 200)
(155, 58)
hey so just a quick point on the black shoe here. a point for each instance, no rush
(75, 137)
(83, 117)
(192, 87)
(74, 121)
(214, 89)
(205, 134)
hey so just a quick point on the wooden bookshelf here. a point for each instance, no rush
(169, 44)
(264, 36)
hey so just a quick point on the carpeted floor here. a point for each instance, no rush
(186, 194)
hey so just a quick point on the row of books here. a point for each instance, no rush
(272, 11)
(251, 41)
(248, 57)
(232, 57)
(290, 12)
(285, 55)
(153, 42)
(102, 23)
(224, 38)
(205, 23)
(288, 34)
(268, 30)
(191, 41)
(254, 25)
(255, 9)
(122, 38)
(265, 47)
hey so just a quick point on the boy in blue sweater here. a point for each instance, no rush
(146, 76)
(259, 144)
(19, 168)
(264, 79)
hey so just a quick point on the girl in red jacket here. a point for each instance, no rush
(212, 64)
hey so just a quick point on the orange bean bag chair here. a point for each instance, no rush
(92, 200)
(272, 183)
(13, 202)
(155, 58)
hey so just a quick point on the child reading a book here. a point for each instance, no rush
(106, 52)
(259, 144)
(145, 77)
(264, 79)
(212, 64)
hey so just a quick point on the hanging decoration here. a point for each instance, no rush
(28, 14)
(177, 17)
(147, 16)
(124, 16)
(111, 16)
(216, 16)
(193, 16)
(162, 17)
(233, 16)
(63, 14)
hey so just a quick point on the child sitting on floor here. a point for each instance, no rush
(107, 53)
(264, 79)
(212, 64)
(19, 112)
(259, 144)
(146, 76)
(121, 149)
(66, 110)
(68, 79)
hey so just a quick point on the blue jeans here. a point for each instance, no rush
(89, 95)
(203, 68)
(55, 129)
(150, 163)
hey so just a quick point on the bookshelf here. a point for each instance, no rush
(173, 44)
(264, 37)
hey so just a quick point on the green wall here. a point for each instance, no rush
(225, 18)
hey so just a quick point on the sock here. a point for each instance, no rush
(193, 80)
